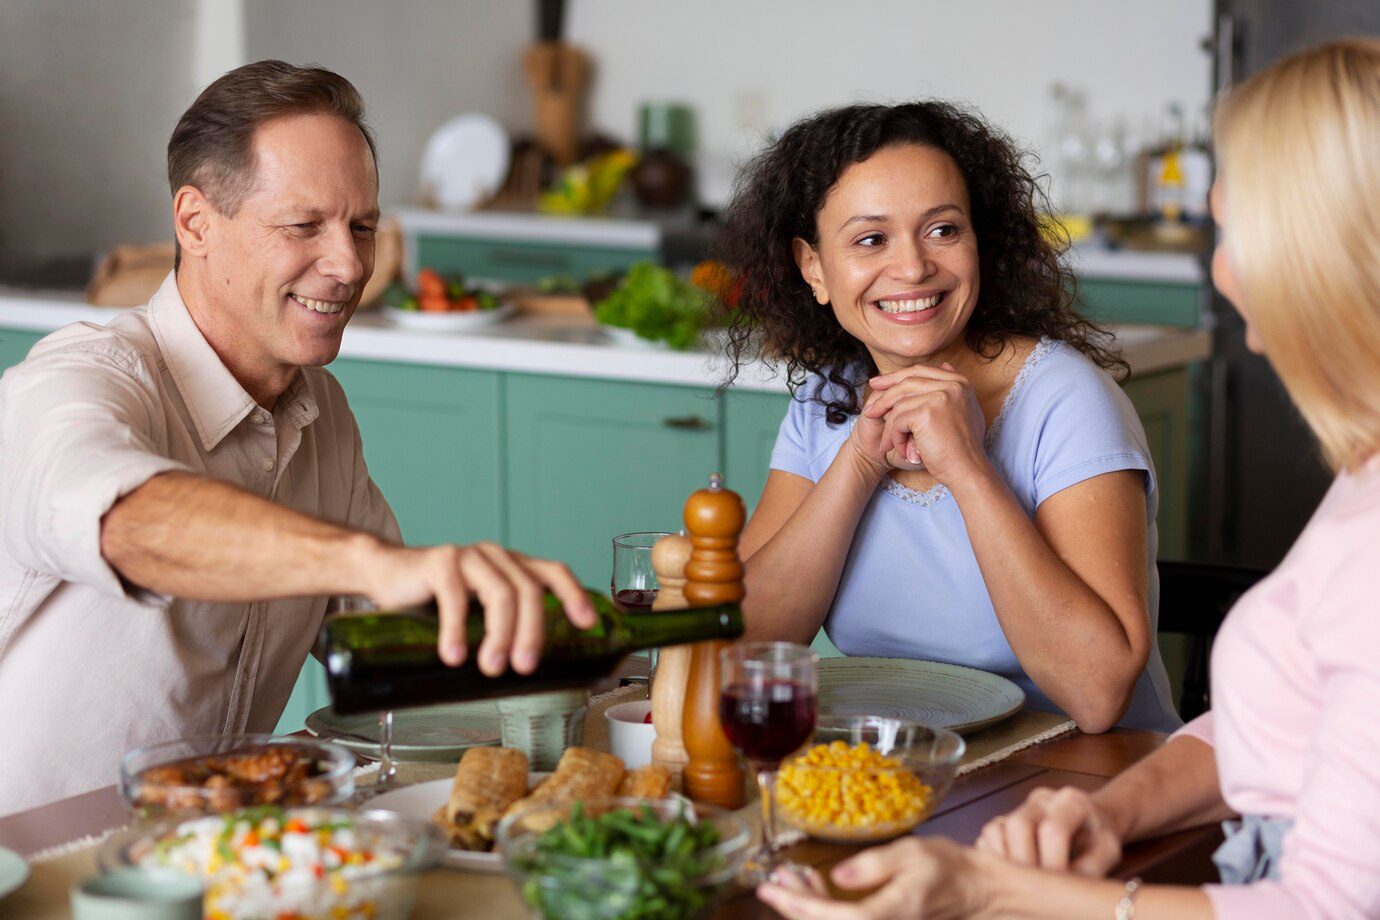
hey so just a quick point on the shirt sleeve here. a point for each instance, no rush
(791, 452)
(81, 431)
(1200, 728)
(1331, 861)
(1088, 428)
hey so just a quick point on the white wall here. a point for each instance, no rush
(749, 66)
(417, 62)
(89, 93)
(90, 90)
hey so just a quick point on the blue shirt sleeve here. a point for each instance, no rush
(791, 452)
(1087, 427)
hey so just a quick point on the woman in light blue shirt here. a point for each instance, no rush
(958, 477)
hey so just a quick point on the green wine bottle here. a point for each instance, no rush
(388, 660)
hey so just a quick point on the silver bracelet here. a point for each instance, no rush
(1126, 907)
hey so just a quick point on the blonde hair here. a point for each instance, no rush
(1299, 153)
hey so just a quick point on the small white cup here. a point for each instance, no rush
(630, 737)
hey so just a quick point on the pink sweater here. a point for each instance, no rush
(1296, 713)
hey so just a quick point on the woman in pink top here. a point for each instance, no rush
(1291, 751)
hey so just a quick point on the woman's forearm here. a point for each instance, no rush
(1066, 637)
(1023, 893)
(791, 580)
(1176, 787)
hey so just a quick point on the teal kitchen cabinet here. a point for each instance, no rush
(751, 422)
(15, 345)
(524, 262)
(1164, 401)
(1158, 303)
(433, 443)
(590, 459)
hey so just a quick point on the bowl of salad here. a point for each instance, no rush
(444, 303)
(623, 859)
(652, 306)
(304, 863)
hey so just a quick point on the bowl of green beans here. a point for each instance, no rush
(623, 859)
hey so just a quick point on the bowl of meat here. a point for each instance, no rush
(222, 773)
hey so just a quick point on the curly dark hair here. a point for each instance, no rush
(1026, 288)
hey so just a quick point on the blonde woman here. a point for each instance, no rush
(1291, 751)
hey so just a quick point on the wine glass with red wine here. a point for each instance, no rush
(768, 707)
(633, 586)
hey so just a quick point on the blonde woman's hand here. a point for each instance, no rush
(918, 877)
(1056, 829)
(930, 420)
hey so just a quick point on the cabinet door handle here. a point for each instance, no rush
(687, 423)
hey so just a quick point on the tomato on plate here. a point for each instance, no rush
(430, 284)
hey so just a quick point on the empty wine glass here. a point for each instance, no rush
(768, 708)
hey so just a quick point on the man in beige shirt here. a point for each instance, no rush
(183, 489)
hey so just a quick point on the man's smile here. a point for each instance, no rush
(320, 306)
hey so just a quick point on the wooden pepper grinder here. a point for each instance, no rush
(669, 558)
(714, 517)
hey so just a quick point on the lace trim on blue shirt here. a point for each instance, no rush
(938, 493)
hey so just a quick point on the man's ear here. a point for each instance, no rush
(810, 269)
(191, 221)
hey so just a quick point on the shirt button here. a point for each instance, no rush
(268, 465)
(257, 419)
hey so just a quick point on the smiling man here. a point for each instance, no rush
(183, 489)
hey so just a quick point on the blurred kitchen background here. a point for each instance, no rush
(1113, 97)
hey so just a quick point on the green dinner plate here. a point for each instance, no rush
(936, 694)
(13, 871)
(435, 734)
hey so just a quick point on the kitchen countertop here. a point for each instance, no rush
(564, 347)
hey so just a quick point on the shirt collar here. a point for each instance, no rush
(215, 399)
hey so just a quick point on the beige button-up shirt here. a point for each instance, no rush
(91, 667)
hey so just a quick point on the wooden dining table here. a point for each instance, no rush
(1085, 761)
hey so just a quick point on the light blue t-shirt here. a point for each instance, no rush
(911, 586)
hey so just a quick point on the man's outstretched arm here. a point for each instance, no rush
(198, 538)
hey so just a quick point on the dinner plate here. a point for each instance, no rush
(465, 161)
(451, 321)
(420, 801)
(13, 871)
(436, 734)
(931, 692)
(629, 339)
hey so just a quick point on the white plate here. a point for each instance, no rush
(420, 801)
(430, 734)
(465, 161)
(447, 322)
(627, 337)
(936, 694)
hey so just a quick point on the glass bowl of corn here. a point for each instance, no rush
(865, 778)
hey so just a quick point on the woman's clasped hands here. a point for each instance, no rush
(922, 418)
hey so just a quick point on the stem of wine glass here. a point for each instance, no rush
(388, 773)
(766, 776)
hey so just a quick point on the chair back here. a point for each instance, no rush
(1194, 599)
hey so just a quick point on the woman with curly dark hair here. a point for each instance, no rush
(967, 481)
